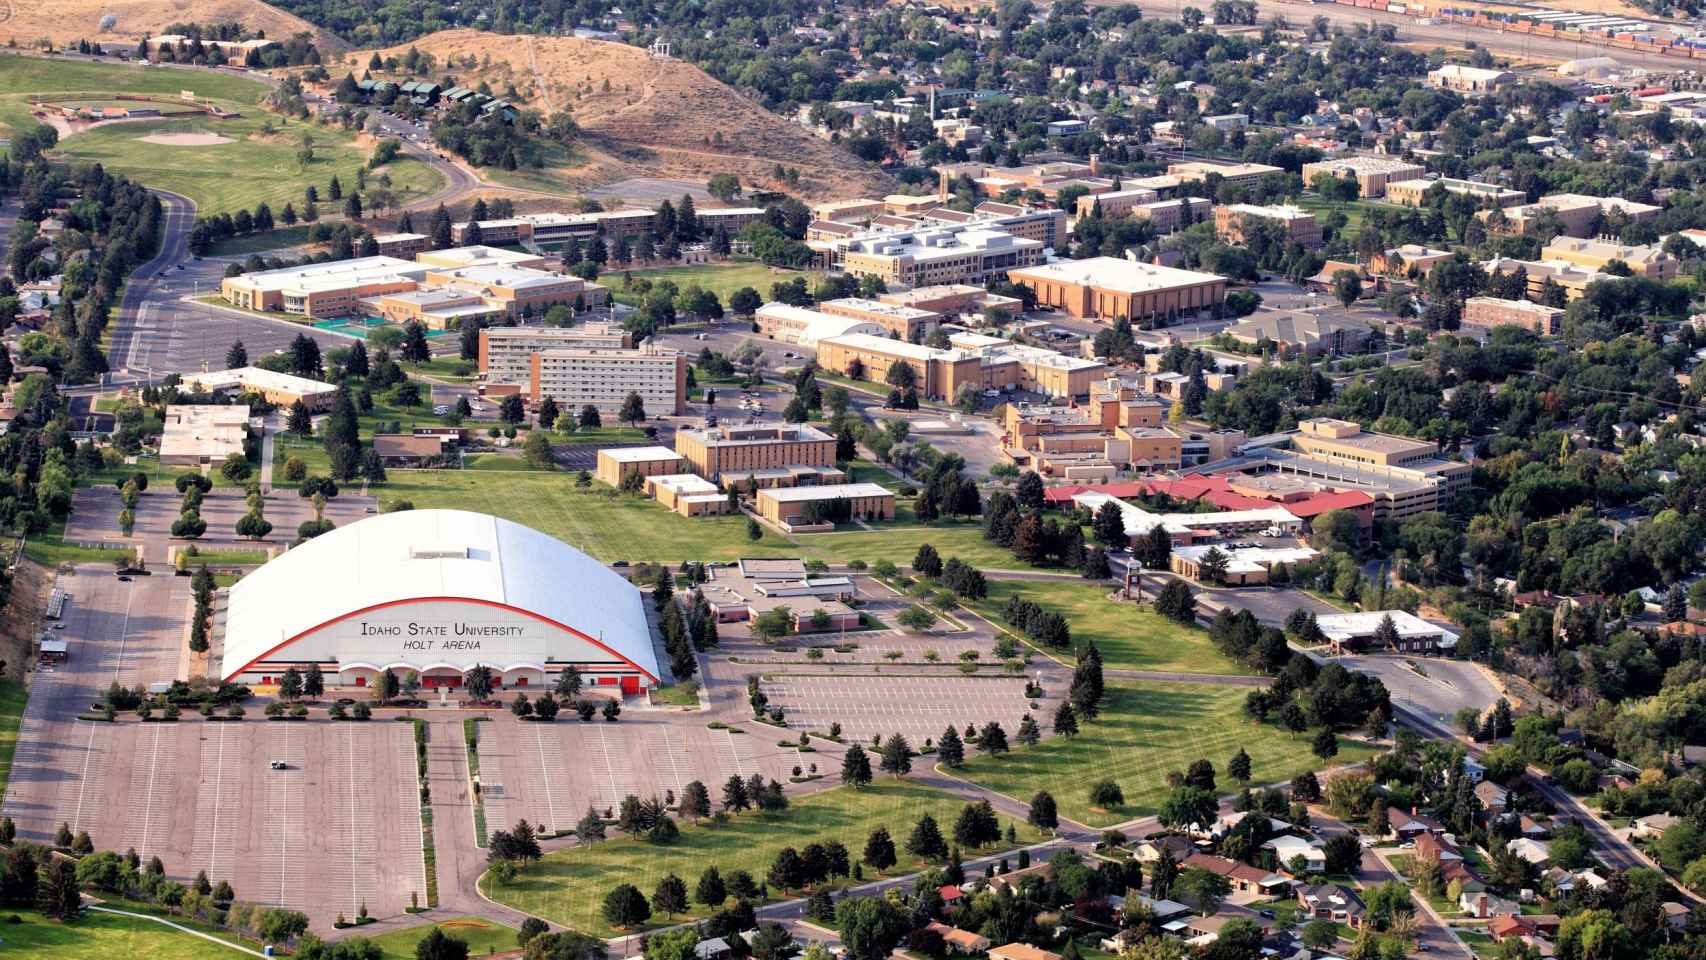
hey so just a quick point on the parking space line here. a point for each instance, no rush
(545, 775)
(609, 768)
(669, 750)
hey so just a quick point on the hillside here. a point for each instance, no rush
(643, 117)
(67, 21)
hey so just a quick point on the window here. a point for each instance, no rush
(361, 681)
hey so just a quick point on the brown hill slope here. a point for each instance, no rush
(67, 21)
(645, 117)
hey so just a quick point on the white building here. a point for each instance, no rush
(436, 593)
(1415, 635)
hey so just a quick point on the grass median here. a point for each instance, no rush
(569, 886)
(1147, 730)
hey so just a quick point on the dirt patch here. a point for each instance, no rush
(67, 21)
(22, 617)
(643, 117)
(186, 139)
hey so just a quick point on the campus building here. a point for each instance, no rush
(866, 501)
(1166, 216)
(1643, 260)
(548, 229)
(804, 326)
(1573, 280)
(1490, 312)
(1116, 203)
(1413, 193)
(1233, 221)
(1302, 332)
(278, 389)
(832, 240)
(1573, 214)
(616, 464)
(715, 451)
(437, 593)
(321, 290)
(891, 319)
(403, 246)
(604, 378)
(1459, 78)
(936, 256)
(1372, 174)
(202, 434)
(1355, 631)
(506, 353)
(1238, 174)
(1109, 288)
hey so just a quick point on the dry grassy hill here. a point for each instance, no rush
(67, 21)
(646, 117)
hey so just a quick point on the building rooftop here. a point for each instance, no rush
(828, 491)
(791, 433)
(893, 348)
(639, 454)
(204, 430)
(1114, 273)
(1348, 626)
(337, 273)
(1271, 212)
(256, 378)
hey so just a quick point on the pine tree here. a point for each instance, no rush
(950, 749)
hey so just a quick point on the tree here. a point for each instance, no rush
(992, 739)
(438, 945)
(1065, 720)
(1326, 744)
(1238, 768)
(57, 893)
(1347, 287)
(1206, 887)
(855, 766)
(625, 906)
(670, 896)
(926, 562)
(633, 410)
(1108, 525)
(896, 756)
(479, 682)
(950, 749)
(879, 851)
(1186, 806)
(1106, 794)
(1177, 603)
(871, 927)
(1043, 814)
(926, 841)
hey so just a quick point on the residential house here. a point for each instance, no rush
(1021, 951)
(1243, 877)
(1534, 851)
(960, 941)
(1288, 848)
(1329, 901)
(1409, 826)
(1653, 825)
(1494, 798)
(1484, 906)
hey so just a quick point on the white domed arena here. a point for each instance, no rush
(438, 592)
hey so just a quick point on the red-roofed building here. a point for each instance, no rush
(950, 893)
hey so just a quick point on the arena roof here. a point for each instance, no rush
(420, 555)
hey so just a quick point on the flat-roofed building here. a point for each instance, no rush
(903, 205)
(1644, 260)
(867, 501)
(1410, 259)
(904, 322)
(1355, 631)
(278, 389)
(506, 353)
(1008, 365)
(403, 246)
(1232, 222)
(617, 463)
(520, 292)
(479, 255)
(575, 377)
(1166, 216)
(1241, 174)
(321, 290)
(1345, 440)
(1464, 79)
(1572, 214)
(945, 255)
(1413, 193)
(408, 449)
(1372, 174)
(952, 299)
(687, 494)
(1048, 178)
(1490, 312)
(435, 308)
(555, 228)
(859, 210)
(1115, 203)
(1244, 566)
(1573, 280)
(937, 374)
(200, 434)
(729, 220)
(715, 451)
(1109, 288)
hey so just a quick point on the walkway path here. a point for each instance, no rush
(179, 927)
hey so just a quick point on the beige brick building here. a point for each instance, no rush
(1109, 288)
(1413, 193)
(868, 501)
(714, 451)
(575, 377)
(1232, 223)
(1489, 312)
(615, 463)
(1372, 174)
(506, 353)
(1574, 214)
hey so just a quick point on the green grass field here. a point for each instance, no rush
(22, 77)
(263, 242)
(255, 166)
(900, 543)
(482, 936)
(606, 524)
(569, 885)
(1145, 731)
(107, 935)
(1136, 639)
(12, 697)
(721, 279)
(450, 369)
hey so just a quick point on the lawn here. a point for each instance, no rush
(569, 885)
(722, 279)
(482, 936)
(107, 935)
(49, 549)
(1354, 210)
(255, 166)
(1147, 730)
(12, 697)
(1135, 639)
(901, 543)
(606, 524)
(22, 77)
(450, 369)
(265, 241)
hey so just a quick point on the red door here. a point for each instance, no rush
(630, 685)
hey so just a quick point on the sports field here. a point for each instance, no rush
(721, 279)
(256, 166)
(569, 886)
(22, 76)
(107, 935)
(1147, 730)
(1129, 637)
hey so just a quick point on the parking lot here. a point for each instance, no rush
(550, 774)
(94, 517)
(919, 707)
(338, 827)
